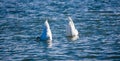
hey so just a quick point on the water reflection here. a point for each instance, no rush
(72, 38)
(47, 43)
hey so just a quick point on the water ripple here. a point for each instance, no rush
(97, 22)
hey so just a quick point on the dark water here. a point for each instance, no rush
(98, 23)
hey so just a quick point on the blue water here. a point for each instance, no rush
(98, 23)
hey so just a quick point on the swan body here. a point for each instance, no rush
(46, 33)
(71, 31)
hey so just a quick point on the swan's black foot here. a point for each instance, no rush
(37, 39)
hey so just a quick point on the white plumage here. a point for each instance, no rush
(70, 28)
(46, 33)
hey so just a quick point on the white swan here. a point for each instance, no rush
(46, 33)
(71, 31)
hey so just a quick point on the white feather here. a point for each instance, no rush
(46, 33)
(70, 28)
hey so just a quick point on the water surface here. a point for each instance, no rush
(98, 23)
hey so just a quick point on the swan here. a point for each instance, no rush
(46, 33)
(71, 31)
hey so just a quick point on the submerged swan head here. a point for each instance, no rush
(70, 28)
(46, 33)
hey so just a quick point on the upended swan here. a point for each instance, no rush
(46, 33)
(71, 31)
